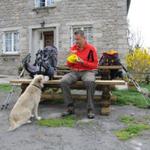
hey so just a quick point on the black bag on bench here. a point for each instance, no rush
(45, 62)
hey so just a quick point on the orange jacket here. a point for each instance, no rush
(88, 54)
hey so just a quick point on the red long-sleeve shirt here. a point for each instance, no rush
(88, 64)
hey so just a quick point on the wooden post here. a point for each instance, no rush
(23, 87)
(105, 101)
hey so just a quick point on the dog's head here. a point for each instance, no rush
(38, 80)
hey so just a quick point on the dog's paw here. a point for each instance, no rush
(39, 118)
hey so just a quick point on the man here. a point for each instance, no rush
(83, 68)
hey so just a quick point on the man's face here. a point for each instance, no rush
(79, 39)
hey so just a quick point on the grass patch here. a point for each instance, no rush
(58, 122)
(147, 86)
(127, 119)
(133, 129)
(130, 97)
(5, 87)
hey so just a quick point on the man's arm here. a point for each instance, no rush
(70, 64)
(90, 64)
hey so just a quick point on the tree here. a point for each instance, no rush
(135, 39)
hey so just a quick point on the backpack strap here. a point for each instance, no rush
(90, 56)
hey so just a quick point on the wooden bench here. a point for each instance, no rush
(61, 70)
(101, 85)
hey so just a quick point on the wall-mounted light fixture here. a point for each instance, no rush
(42, 24)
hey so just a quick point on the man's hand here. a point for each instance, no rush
(80, 60)
(72, 52)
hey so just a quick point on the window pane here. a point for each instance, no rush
(40, 3)
(89, 34)
(50, 2)
(43, 3)
(8, 42)
(16, 42)
(37, 3)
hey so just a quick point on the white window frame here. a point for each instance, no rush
(12, 43)
(78, 26)
(37, 3)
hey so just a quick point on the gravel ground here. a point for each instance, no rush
(97, 135)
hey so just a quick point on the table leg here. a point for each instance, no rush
(23, 88)
(106, 100)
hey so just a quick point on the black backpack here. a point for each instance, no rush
(45, 62)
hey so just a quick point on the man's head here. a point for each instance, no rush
(79, 37)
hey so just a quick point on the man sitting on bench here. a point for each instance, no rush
(84, 68)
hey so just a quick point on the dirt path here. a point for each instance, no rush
(97, 135)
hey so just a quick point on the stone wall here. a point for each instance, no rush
(107, 17)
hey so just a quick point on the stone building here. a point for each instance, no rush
(28, 25)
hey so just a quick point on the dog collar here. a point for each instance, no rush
(37, 86)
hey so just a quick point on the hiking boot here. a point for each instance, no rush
(69, 111)
(90, 114)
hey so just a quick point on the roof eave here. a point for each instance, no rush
(128, 5)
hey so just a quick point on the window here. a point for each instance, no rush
(88, 31)
(43, 3)
(11, 42)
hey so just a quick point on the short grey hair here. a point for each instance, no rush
(80, 32)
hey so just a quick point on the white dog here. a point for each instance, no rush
(27, 104)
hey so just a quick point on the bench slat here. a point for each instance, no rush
(56, 77)
(99, 67)
(57, 82)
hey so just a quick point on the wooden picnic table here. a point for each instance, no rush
(102, 85)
